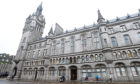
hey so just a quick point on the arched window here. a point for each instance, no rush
(59, 60)
(83, 59)
(139, 51)
(114, 55)
(70, 60)
(78, 59)
(101, 70)
(87, 58)
(52, 71)
(129, 54)
(86, 71)
(101, 57)
(119, 55)
(62, 71)
(63, 61)
(124, 54)
(96, 58)
(92, 58)
(41, 71)
(120, 69)
(51, 61)
(74, 59)
(135, 68)
(134, 53)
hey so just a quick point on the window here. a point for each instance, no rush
(120, 69)
(136, 25)
(139, 34)
(101, 57)
(135, 68)
(114, 42)
(127, 39)
(38, 53)
(62, 46)
(83, 41)
(54, 48)
(101, 70)
(33, 54)
(72, 44)
(87, 58)
(96, 58)
(96, 39)
(86, 71)
(119, 55)
(124, 54)
(123, 28)
(83, 59)
(34, 46)
(105, 43)
(129, 54)
(134, 53)
(41, 71)
(111, 30)
(62, 71)
(28, 55)
(44, 52)
(52, 71)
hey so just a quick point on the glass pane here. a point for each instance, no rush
(83, 70)
(123, 71)
(98, 70)
(133, 71)
(84, 74)
(89, 74)
(118, 72)
(138, 69)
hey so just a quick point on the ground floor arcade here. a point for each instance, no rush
(119, 70)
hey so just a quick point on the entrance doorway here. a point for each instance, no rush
(73, 70)
(14, 72)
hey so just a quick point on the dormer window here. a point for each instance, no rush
(136, 25)
(123, 28)
(111, 30)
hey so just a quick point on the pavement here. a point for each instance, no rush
(5, 81)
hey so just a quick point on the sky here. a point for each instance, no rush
(67, 13)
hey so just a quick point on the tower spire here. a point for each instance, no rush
(100, 17)
(39, 10)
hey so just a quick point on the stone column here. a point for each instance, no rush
(129, 74)
(67, 74)
(79, 74)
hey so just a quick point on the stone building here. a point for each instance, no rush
(110, 47)
(5, 62)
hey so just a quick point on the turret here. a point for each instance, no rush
(106, 43)
(51, 32)
(100, 18)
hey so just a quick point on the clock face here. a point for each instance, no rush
(41, 18)
(33, 23)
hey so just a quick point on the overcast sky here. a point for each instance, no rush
(68, 13)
